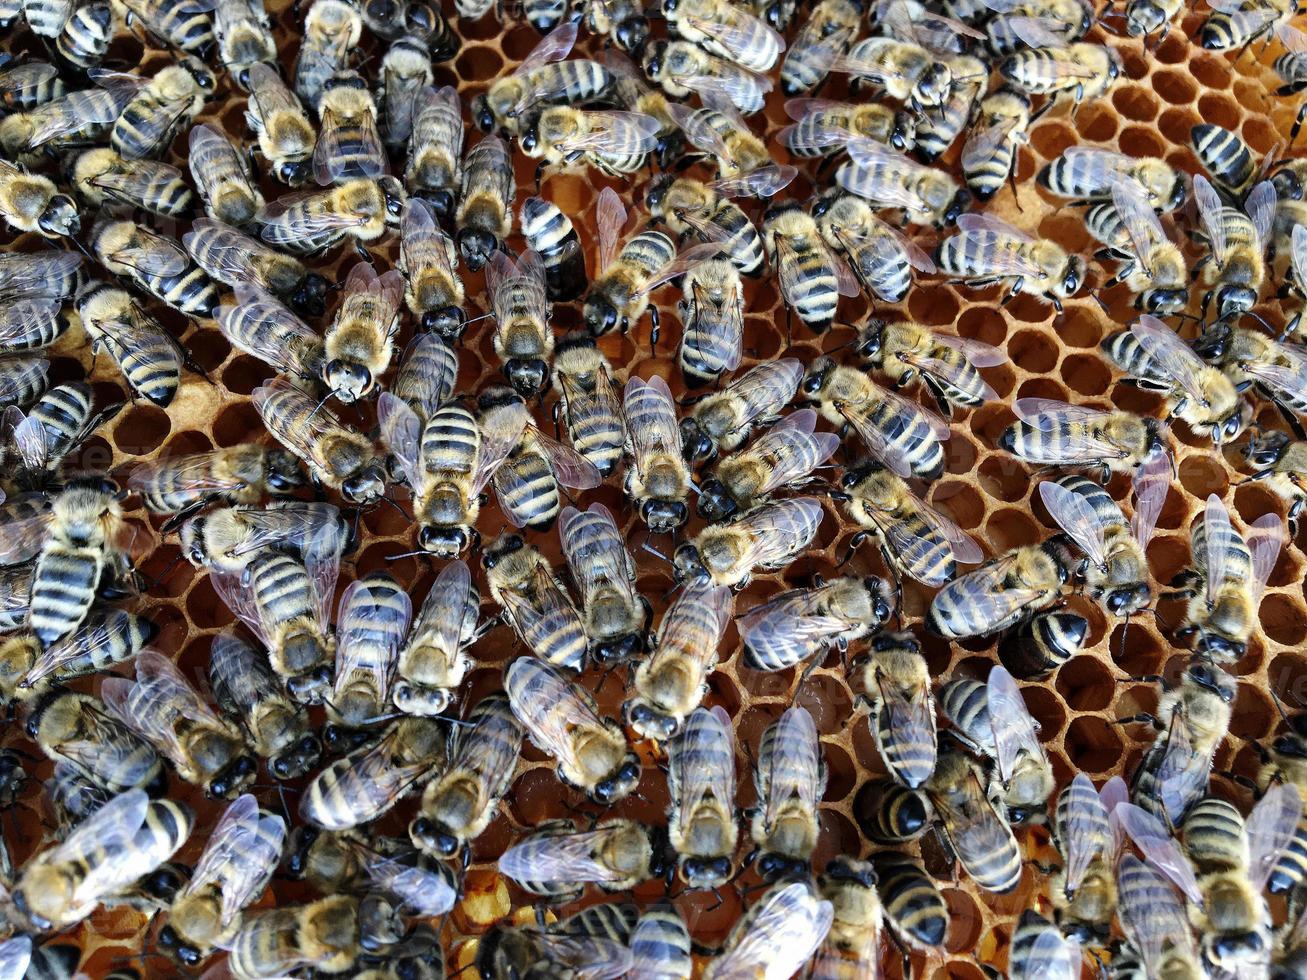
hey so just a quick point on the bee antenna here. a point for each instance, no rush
(1279, 707)
(406, 554)
(393, 503)
(655, 552)
(1158, 616)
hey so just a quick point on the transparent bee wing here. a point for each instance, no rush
(780, 530)
(651, 416)
(489, 744)
(1265, 538)
(270, 94)
(241, 854)
(423, 891)
(982, 590)
(977, 352)
(610, 217)
(211, 151)
(1083, 828)
(1048, 414)
(742, 40)
(1298, 255)
(1183, 770)
(496, 444)
(592, 545)
(1270, 829)
(908, 716)
(154, 256)
(23, 275)
(1152, 482)
(94, 633)
(371, 625)
(1076, 517)
(374, 774)
(783, 633)
(15, 954)
(701, 761)
(1173, 356)
(73, 112)
(401, 433)
(117, 81)
(683, 625)
(1050, 956)
(1040, 32)
(1014, 730)
(264, 328)
(695, 123)
(348, 147)
(767, 388)
(615, 133)
(585, 957)
(159, 705)
(574, 857)
(1140, 220)
(660, 946)
(549, 706)
(1209, 213)
(20, 320)
(784, 931)
(1152, 918)
(240, 600)
(1260, 207)
(683, 262)
(290, 219)
(554, 46)
(795, 756)
(1217, 537)
(226, 252)
(105, 844)
(1159, 847)
(983, 142)
(796, 453)
(138, 182)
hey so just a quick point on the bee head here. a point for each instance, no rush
(657, 193)
(392, 191)
(310, 687)
(1233, 300)
(482, 114)
(653, 58)
(302, 840)
(418, 699)
(1235, 946)
(700, 872)
(631, 34)
(600, 315)
(1086, 934)
(476, 246)
(444, 542)
(664, 515)
(882, 604)
(695, 443)
(233, 778)
(620, 649)
(506, 545)
(293, 172)
(432, 837)
(528, 376)
(441, 202)
(904, 135)
(1229, 428)
(176, 949)
(1177, 195)
(529, 138)
(1162, 302)
(871, 339)
(1073, 276)
(934, 84)
(776, 15)
(297, 759)
(1287, 185)
(1219, 647)
(382, 11)
(961, 201)
(348, 381)
(845, 868)
(670, 6)
(619, 785)
(448, 322)
(649, 722)
(688, 567)
(165, 881)
(309, 298)
(200, 72)
(60, 217)
(818, 372)
(1128, 600)
(365, 487)
(1266, 449)
(773, 866)
(715, 502)
(1203, 673)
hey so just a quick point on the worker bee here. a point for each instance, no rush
(239, 858)
(784, 456)
(893, 679)
(535, 602)
(852, 947)
(1086, 70)
(823, 127)
(906, 72)
(562, 719)
(405, 74)
(972, 824)
(244, 36)
(427, 257)
(1195, 392)
(1053, 433)
(86, 36)
(435, 149)
(1154, 921)
(460, 802)
(1235, 268)
(337, 456)
(1089, 173)
(826, 35)
(124, 840)
(767, 537)
(790, 776)
(79, 732)
(484, 216)
(658, 480)
(660, 945)
(1192, 719)
(593, 942)
(614, 143)
(550, 235)
(325, 935)
(433, 660)
(940, 128)
(225, 539)
(100, 175)
(331, 31)
(712, 311)
(31, 202)
(890, 180)
(57, 425)
(778, 933)
(180, 24)
(239, 474)
(370, 780)
(743, 161)
(989, 155)
(881, 257)
(619, 296)
(76, 119)
(987, 250)
(681, 67)
(801, 623)
(222, 174)
(588, 402)
(812, 277)
(522, 339)
(615, 854)
(693, 208)
(1237, 23)
(285, 136)
(541, 78)
(262, 327)
(616, 616)
(349, 145)
(1040, 950)
(231, 257)
(945, 364)
(723, 420)
(624, 23)
(311, 223)
(728, 32)
(427, 373)
(1083, 892)
(1002, 593)
(50, 275)
(159, 106)
(106, 637)
(155, 263)
(371, 624)
(360, 341)
(901, 435)
(630, 88)
(277, 729)
(1152, 266)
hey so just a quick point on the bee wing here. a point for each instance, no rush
(584, 957)
(137, 182)
(211, 151)
(965, 549)
(237, 669)
(1048, 414)
(797, 454)
(105, 843)
(694, 123)
(1083, 829)
(610, 217)
(650, 404)
(1159, 847)
(1014, 730)
(366, 622)
(157, 703)
(740, 40)
(1152, 481)
(1154, 926)
(909, 717)
(780, 529)
(875, 71)
(1209, 213)
(93, 634)
(554, 46)
(191, 473)
(660, 946)
(348, 148)
(1183, 770)
(1217, 534)
(270, 94)
(491, 744)
(785, 931)
(955, 374)
(1298, 255)
(767, 388)
(226, 251)
(1265, 538)
(1051, 955)
(980, 590)
(1271, 827)
(239, 599)
(681, 264)
(401, 433)
(442, 612)
(1044, 32)
(76, 111)
(538, 615)
(702, 763)
(600, 560)
(423, 891)
(287, 220)
(374, 774)
(156, 256)
(881, 447)
(744, 89)
(262, 327)
(34, 275)
(983, 141)
(1077, 518)
(241, 854)
(615, 132)
(387, 288)
(1173, 356)
(783, 633)
(15, 956)
(495, 447)
(117, 81)
(1260, 207)
(1140, 220)
(682, 624)
(795, 756)
(562, 857)
(986, 225)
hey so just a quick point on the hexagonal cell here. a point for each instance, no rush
(1010, 528)
(1086, 374)
(1136, 141)
(1176, 87)
(1135, 102)
(1092, 745)
(1033, 351)
(1220, 109)
(142, 429)
(1201, 475)
(1086, 684)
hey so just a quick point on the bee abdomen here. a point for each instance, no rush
(281, 587)
(912, 903)
(1223, 155)
(533, 495)
(63, 587)
(599, 438)
(912, 434)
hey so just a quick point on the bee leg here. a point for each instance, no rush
(1297, 124)
(363, 252)
(854, 543)
(1238, 780)
(1143, 718)
(657, 328)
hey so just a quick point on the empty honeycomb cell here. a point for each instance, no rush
(1066, 227)
(1176, 87)
(1135, 102)
(1219, 109)
(478, 62)
(1138, 141)
(1201, 474)
(1027, 306)
(839, 835)
(721, 688)
(1131, 398)
(1136, 650)
(959, 501)
(243, 374)
(534, 791)
(959, 454)
(1175, 125)
(235, 423)
(1092, 744)
(864, 745)
(1080, 327)
(173, 625)
(1050, 139)
(1254, 715)
(204, 607)
(1252, 500)
(1168, 555)
(1033, 351)
(1286, 676)
(1096, 123)
(965, 920)
(983, 323)
(166, 572)
(188, 442)
(936, 307)
(841, 773)
(142, 430)
(1086, 374)
(1047, 709)
(1086, 684)
(827, 700)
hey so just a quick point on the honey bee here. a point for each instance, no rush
(535, 603)
(1237, 23)
(1043, 643)
(1199, 394)
(349, 146)
(433, 660)
(226, 539)
(159, 106)
(987, 250)
(658, 480)
(127, 838)
(77, 119)
(311, 223)
(767, 537)
(903, 70)
(84, 540)
(460, 802)
(222, 174)
(484, 216)
(588, 402)
(183, 24)
(231, 257)
(901, 435)
(57, 425)
(336, 456)
(277, 729)
(164, 709)
(86, 36)
(371, 624)
(614, 143)
(331, 31)
(822, 127)
(778, 933)
(712, 310)
(701, 783)
(549, 233)
(1088, 173)
(615, 854)
(890, 180)
(1084, 891)
(1235, 268)
(660, 945)
(812, 277)
(1154, 921)
(728, 32)
(370, 780)
(681, 67)
(1040, 950)
(881, 257)
(619, 296)
(359, 343)
(671, 683)
(238, 860)
(1116, 567)
(723, 420)
(1003, 592)
(800, 623)
(1087, 71)
(1192, 719)
(1249, 357)
(989, 155)
(592, 943)
(106, 637)
(1280, 462)
(693, 208)
(852, 947)
(940, 128)
(523, 340)
(427, 258)
(405, 73)
(51, 275)
(543, 77)
(1152, 266)
(790, 776)
(785, 455)
(629, 87)
(244, 36)
(1053, 433)
(562, 719)
(616, 617)
(78, 732)
(892, 676)
(946, 364)
(100, 174)
(325, 935)
(435, 150)
(262, 327)
(156, 264)
(22, 379)
(626, 24)
(743, 161)
(825, 36)
(31, 202)
(285, 136)
(972, 824)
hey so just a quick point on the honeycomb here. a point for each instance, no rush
(1163, 91)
